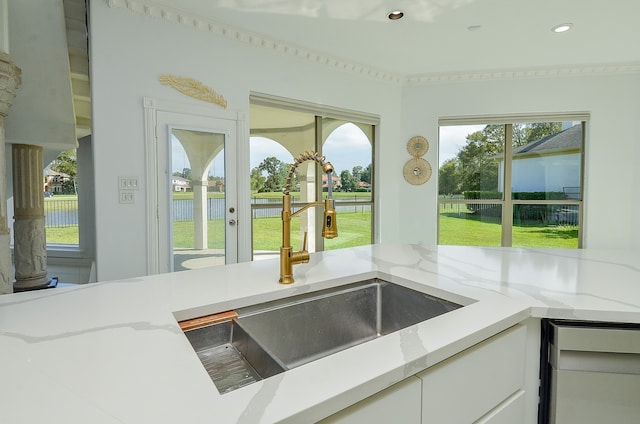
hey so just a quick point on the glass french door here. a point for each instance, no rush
(197, 196)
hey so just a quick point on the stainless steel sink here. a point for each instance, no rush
(275, 336)
(230, 356)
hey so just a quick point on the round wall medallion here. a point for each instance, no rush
(417, 171)
(417, 146)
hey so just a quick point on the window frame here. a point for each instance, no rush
(321, 112)
(507, 202)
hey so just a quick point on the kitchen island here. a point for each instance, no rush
(113, 352)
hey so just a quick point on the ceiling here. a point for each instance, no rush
(48, 41)
(439, 36)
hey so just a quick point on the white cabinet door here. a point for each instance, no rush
(510, 411)
(467, 386)
(399, 403)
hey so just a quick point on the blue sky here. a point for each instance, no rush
(452, 139)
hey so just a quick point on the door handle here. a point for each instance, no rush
(232, 222)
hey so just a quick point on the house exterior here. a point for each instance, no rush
(335, 180)
(216, 185)
(54, 181)
(180, 184)
(551, 164)
(364, 186)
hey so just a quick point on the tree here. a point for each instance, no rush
(186, 173)
(449, 177)
(348, 182)
(540, 130)
(366, 175)
(257, 180)
(276, 171)
(357, 172)
(477, 163)
(66, 163)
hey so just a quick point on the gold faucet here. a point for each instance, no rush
(289, 258)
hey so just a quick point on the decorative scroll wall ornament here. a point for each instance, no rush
(193, 88)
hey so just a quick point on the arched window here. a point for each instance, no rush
(279, 133)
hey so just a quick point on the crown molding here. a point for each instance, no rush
(155, 10)
(526, 73)
(166, 13)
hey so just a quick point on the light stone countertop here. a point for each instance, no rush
(113, 352)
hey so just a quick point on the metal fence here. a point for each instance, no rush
(272, 208)
(260, 208)
(61, 213)
(64, 213)
(553, 213)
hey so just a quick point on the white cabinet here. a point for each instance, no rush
(399, 403)
(508, 412)
(596, 397)
(481, 384)
(484, 384)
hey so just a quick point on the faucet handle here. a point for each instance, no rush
(304, 242)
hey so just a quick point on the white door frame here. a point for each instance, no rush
(157, 241)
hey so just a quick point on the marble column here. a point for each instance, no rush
(29, 240)
(10, 78)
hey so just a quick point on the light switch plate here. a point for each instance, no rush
(128, 183)
(127, 196)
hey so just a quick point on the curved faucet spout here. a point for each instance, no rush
(288, 257)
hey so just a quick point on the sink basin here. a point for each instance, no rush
(272, 337)
(230, 356)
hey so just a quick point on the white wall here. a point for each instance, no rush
(612, 198)
(38, 44)
(543, 173)
(129, 52)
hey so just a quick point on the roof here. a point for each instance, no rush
(567, 140)
(51, 173)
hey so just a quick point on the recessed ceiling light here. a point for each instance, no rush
(395, 15)
(562, 27)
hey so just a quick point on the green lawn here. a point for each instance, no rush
(467, 230)
(63, 235)
(354, 229)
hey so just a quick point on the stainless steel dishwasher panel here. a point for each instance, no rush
(595, 373)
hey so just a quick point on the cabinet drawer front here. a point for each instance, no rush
(399, 403)
(508, 412)
(585, 397)
(467, 386)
